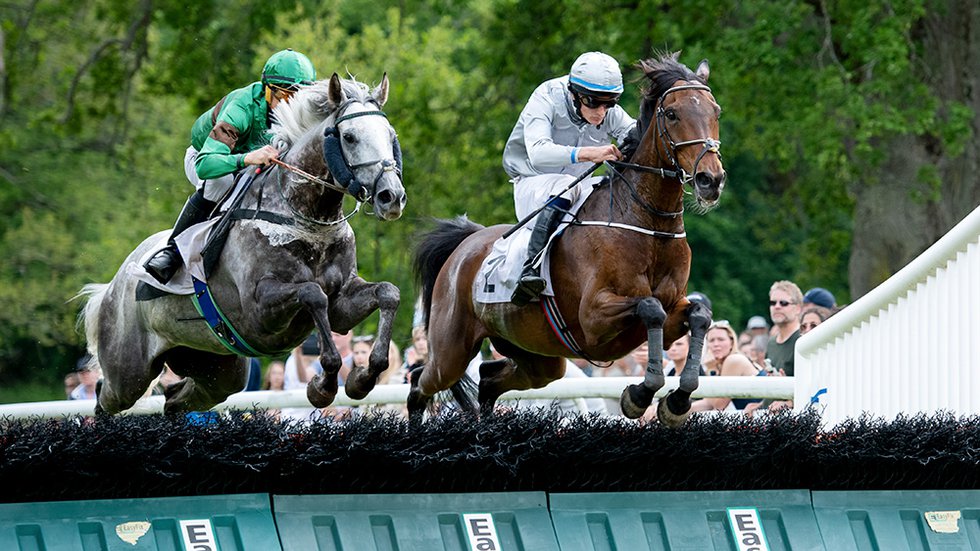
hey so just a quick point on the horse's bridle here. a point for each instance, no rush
(341, 170)
(710, 145)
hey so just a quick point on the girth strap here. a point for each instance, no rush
(219, 325)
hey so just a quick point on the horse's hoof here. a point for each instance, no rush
(670, 419)
(358, 386)
(320, 398)
(632, 401)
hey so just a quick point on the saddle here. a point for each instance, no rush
(201, 244)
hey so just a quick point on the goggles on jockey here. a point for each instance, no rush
(594, 102)
(280, 93)
(591, 99)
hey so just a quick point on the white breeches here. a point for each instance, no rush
(532, 192)
(216, 189)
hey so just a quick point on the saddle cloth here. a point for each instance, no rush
(500, 270)
(190, 243)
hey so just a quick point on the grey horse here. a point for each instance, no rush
(278, 276)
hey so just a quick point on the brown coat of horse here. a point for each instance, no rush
(613, 285)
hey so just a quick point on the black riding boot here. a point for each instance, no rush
(531, 284)
(163, 265)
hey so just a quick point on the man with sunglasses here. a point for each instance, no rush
(225, 139)
(568, 124)
(785, 302)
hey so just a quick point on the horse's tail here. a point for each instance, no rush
(432, 251)
(89, 316)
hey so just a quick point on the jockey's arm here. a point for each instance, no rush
(215, 158)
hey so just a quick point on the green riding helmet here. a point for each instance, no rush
(288, 69)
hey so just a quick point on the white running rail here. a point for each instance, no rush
(779, 388)
(908, 345)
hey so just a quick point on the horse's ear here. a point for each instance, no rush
(703, 71)
(380, 93)
(335, 92)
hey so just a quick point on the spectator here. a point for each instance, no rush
(71, 381)
(820, 297)
(812, 317)
(88, 377)
(416, 354)
(677, 356)
(724, 360)
(755, 351)
(757, 325)
(785, 302)
(275, 377)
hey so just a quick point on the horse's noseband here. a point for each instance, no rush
(343, 172)
(708, 144)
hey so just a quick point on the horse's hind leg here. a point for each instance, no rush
(127, 373)
(208, 379)
(637, 398)
(520, 370)
(674, 409)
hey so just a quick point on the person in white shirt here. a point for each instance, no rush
(567, 125)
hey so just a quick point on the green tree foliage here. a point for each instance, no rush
(97, 98)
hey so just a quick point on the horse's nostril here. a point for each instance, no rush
(384, 197)
(704, 180)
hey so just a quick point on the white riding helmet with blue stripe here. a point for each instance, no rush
(596, 74)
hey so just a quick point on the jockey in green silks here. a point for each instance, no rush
(224, 140)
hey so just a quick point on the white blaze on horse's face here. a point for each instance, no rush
(368, 143)
(691, 117)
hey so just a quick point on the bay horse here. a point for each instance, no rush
(619, 270)
(288, 265)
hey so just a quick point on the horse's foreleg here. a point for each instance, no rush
(281, 301)
(637, 398)
(674, 409)
(359, 300)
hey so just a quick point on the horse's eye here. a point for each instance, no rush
(671, 115)
(350, 138)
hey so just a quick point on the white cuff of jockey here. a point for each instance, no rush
(574, 155)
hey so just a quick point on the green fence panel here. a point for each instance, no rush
(899, 520)
(200, 523)
(686, 521)
(405, 522)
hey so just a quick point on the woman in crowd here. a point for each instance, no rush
(812, 317)
(726, 361)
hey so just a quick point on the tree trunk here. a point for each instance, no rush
(899, 216)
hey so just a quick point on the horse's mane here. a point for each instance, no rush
(309, 107)
(662, 71)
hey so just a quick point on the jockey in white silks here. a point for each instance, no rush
(567, 125)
